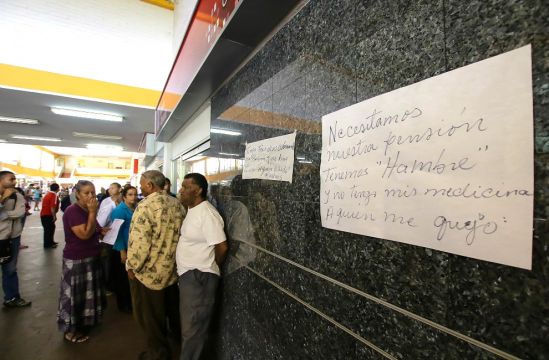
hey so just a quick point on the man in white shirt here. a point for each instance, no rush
(108, 205)
(104, 220)
(201, 249)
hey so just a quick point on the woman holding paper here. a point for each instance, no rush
(123, 212)
(82, 298)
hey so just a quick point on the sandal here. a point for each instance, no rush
(76, 338)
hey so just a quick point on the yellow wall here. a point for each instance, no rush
(27, 171)
(43, 81)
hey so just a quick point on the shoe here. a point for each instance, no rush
(21, 247)
(17, 303)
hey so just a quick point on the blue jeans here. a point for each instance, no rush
(10, 281)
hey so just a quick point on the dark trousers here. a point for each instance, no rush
(10, 280)
(106, 252)
(197, 292)
(49, 229)
(154, 310)
(121, 284)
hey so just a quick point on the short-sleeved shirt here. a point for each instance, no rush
(76, 248)
(105, 210)
(50, 201)
(154, 232)
(202, 229)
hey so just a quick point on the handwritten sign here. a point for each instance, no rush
(446, 163)
(270, 159)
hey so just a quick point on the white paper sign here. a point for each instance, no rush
(112, 234)
(270, 159)
(446, 163)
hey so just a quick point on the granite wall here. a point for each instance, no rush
(295, 290)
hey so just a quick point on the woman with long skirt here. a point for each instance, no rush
(82, 298)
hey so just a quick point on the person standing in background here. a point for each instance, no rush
(27, 213)
(12, 209)
(121, 285)
(36, 197)
(107, 205)
(48, 216)
(168, 188)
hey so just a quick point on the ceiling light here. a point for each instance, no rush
(2, 141)
(19, 120)
(87, 114)
(225, 132)
(37, 138)
(228, 154)
(96, 136)
(104, 147)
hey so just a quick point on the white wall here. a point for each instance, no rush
(121, 41)
(194, 132)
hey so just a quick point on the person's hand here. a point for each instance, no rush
(104, 231)
(123, 256)
(92, 204)
(131, 275)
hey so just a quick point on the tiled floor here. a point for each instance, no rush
(31, 333)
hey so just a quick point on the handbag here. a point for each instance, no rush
(5, 251)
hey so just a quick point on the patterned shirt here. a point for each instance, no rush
(154, 233)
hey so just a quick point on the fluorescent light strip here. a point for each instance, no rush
(87, 114)
(104, 147)
(37, 138)
(228, 154)
(96, 136)
(225, 132)
(2, 141)
(19, 120)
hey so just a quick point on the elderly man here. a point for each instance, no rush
(154, 233)
(12, 210)
(201, 250)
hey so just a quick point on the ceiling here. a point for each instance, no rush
(32, 105)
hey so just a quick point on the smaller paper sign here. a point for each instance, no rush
(270, 159)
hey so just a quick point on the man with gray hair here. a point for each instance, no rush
(154, 233)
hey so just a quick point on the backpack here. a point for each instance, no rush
(5, 246)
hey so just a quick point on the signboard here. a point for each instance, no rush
(446, 163)
(270, 159)
(210, 19)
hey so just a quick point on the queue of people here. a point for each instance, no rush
(164, 266)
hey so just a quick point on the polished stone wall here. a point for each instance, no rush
(295, 290)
